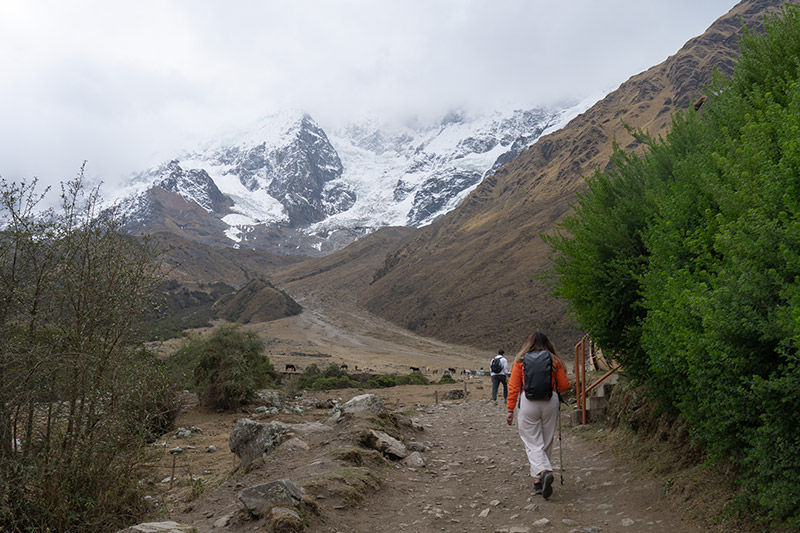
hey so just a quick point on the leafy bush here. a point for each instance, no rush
(686, 261)
(447, 379)
(226, 367)
(334, 377)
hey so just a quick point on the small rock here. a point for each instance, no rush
(386, 444)
(627, 522)
(415, 446)
(211, 449)
(295, 444)
(454, 394)
(494, 503)
(519, 529)
(158, 527)
(223, 521)
(541, 522)
(568, 522)
(414, 460)
(484, 513)
(285, 520)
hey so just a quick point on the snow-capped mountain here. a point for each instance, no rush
(290, 187)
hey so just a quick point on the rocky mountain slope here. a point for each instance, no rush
(473, 275)
(289, 187)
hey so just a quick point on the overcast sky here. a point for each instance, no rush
(126, 84)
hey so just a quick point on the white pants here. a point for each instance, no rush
(537, 426)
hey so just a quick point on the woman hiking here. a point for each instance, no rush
(537, 362)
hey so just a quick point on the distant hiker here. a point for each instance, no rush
(498, 369)
(536, 373)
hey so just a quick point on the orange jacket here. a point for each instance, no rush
(515, 382)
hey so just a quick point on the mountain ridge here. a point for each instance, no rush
(474, 276)
(287, 186)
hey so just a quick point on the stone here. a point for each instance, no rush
(308, 428)
(295, 444)
(541, 522)
(364, 402)
(251, 440)
(454, 394)
(627, 522)
(415, 446)
(386, 444)
(223, 521)
(519, 529)
(159, 527)
(285, 520)
(414, 460)
(260, 499)
(270, 398)
(484, 513)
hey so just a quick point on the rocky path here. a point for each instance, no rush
(476, 478)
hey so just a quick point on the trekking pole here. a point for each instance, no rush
(560, 443)
(560, 450)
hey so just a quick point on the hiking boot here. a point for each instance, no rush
(547, 482)
(537, 487)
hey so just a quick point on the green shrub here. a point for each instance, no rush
(447, 379)
(227, 367)
(335, 377)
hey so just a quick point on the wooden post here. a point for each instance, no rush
(172, 474)
(583, 375)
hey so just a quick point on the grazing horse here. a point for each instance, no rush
(415, 369)
(451, 370)
(343, 366)
(435, 371)
(291, 367)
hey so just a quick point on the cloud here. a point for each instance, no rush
(124, 85)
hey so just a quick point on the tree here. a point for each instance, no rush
(80, 396)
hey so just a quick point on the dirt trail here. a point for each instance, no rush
(353, 336)
(476, 478)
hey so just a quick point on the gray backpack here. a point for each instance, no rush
(537, 369)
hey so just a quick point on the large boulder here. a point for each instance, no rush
(251, 440)
(260, 499)
(364, 402)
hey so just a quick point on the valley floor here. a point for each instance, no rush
(475, 477)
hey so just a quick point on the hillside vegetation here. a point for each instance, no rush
(686, 262)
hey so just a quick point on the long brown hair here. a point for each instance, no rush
(536, 342)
